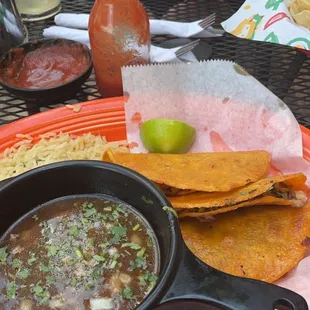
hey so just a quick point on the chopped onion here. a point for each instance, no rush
(135, 239)
(112, 251)
(25, 304)
(101, 303)
(125, 278)
(56, 303)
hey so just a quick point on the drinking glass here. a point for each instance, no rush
(32, 10)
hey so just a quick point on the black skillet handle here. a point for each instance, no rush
(196, 280)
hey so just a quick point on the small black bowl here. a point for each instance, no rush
(55, 93)
(184, 281)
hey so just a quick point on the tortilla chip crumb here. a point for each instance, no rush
(75, 108)
(23, 136)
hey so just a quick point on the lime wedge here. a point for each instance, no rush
(161, 135)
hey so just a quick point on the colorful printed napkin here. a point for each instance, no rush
(268, 21)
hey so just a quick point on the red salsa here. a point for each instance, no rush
(44, 67)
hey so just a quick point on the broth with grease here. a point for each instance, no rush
(78, 252)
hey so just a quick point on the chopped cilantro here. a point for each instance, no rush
(170, 210)
(52, 250)
(35, 217)
(3, 255)
(73, 231)
(78, 253)
(127, 293)
(87, 204)
(139, 262)
(228, 202)
(141, 252)
(23, 274)
(247, 192)
(97, 273)
(90, 284)
(49, 280)
(136, 227)
(16, 263)
(90, 212)
(38, 289)
(103, 245)
(44, 225)
(41, 293)
(134, 246)
(99, 258)
(91, 242)
(119, 232)
(31, 259)
(115, 215)
(45, 268)
(84, 221)
(11, 290)
(113, 264)
(149, 242)
(147, 279)
(73, 281)
(147, 200)
(120, 209)
(72, 262)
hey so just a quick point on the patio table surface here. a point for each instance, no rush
(284, 70)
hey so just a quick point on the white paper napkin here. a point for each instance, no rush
(158, 54)
(157, 27)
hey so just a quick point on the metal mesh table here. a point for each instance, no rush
(284, 70)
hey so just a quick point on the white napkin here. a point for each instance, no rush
(157, 27)
(182, 30)
(72, 20)
(67, 33)
(158, 54)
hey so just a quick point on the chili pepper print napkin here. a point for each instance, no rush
(269, 21)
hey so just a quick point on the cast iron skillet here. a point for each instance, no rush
(55, 93)
(184, 282)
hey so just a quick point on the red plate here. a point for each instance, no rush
(105, 117)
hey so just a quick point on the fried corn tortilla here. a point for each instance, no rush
(277, 190)
(300, 10)
(259, 242)
(178, 174)
(205, 214)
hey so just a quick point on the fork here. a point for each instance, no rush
(186, 48)
(180, 29)
(207, 22)
(159, 54)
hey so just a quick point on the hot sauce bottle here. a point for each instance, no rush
(119, 33)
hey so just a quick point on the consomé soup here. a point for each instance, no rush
(78, 252)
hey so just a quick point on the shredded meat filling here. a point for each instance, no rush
(172, 191)
(278, 190)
